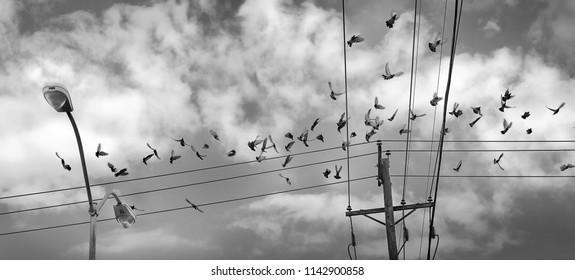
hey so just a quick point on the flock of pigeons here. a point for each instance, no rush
(374, 123)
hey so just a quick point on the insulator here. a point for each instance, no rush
(433, 232)
(405, 234)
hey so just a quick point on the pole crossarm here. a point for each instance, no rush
(395, 208)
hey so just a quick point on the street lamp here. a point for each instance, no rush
(58, 97)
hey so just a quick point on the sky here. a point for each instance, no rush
(151, 71)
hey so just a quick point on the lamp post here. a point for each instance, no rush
(58, 97)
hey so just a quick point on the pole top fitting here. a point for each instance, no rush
(349, 208)
(379, 142)
(387, 152)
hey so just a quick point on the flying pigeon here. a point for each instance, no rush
(319, 137)
(504, 105)
(393, 116)
(555, 111)
(231, 153)
(155, 151)
(264, 144)
(314, 124)
(181, 141)
(390, 22)
(215, 135)
(287, 160)
(368, 135)
(289, 135)
(206, 146)
(525, 115)
(496, 161)
(200, 155)
(273, 144)
(404, 130)
(435, 100)
(566, 166)
(289, 145)
(413, 116)
(506, 96)
(337, 171)
(66, 166)
(194, 206)
(341, 123)
(433, 45)
(172, 158)
(377, 105)
(455, 111)
(326, 173)
(344, 145)
(303, 137)
(99, 151)
(475, 121)
(458, 166)
(529, 131)
(506, 126)
(122, 172)
(286, 178)
(352, 134)
(148, 157)
(261, 157)
(333, 94)
(354, 39)
(477, 110)
(112, 167)
(388, 75)
(367, 119)
(254, 144)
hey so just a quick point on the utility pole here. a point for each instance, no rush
(383, 178)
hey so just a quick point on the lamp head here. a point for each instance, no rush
(58, 97)
(124, 215)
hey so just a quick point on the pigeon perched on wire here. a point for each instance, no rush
(376, 104)
(66, 166)
(474, 121)
(326, 173)
(314, 124)
(506, 126)
(529, 131)
(391, 21)
(173, 157)
(354, 40)
(337, 171)
(458, 166)
(112, 167)
(435, 100)
(289, 145)
(333, 94)
(525, 115)
(413, 116)
(146, 158)
(181, 141)
(99, 151)
(255, 143)
(404, 130)
(393, 116)
(342, 122)
(231, 153)
(555, 111)
(122, 172)
(506, 96)
(477, 110)
(496, 161)
(566, 166)
(194, 206)
(287, 160)
(215, 135)
(155, 151)
(388, 75)
(456, 112)
(289, 135)
(286, 178)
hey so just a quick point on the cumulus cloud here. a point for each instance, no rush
(491, 27)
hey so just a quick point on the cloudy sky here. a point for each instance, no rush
(147, 71)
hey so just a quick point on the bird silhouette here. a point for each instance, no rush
(112, 167)
(200, 155)
(367, 119)
(506, 96)
(215, 135)
(555, 111)
(369, 134)
(376, 105)
(181, 141)
(404, 130)
(286, 178)
(194, 206)
(264, 144)
(388, 75)
(446, 130)
(99, 151)
(354, 40)
(337, 171)
(456, 112)
(506, 126)
(474, 122)
(148, 157)
(566, 166)
(205, 146)
(393, 116)
(391, 21)
(261, 157)
(319, 137)
(303, 137)
(342, 122)
(413, 116)
(434, 44)
(66, 166)
(477, 110)
(289, 135)
(287, 160)
(122, 172)
(352, 134)
(504, 105)
(458, 166)
(255, 143)
(435, 100)
(326, 173)
(155, 151)
(529, 131)
(314, 124)
(133, 207)
(231, 153)
(525, 115)
(496, 161)
(173, 157)
(273, 144)
(333, 94)
(344, 145)
(289, 145)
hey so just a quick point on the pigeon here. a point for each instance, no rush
(303, 137)
(413, 116)
(260, 158)
(122, 172)
(194, 206)
(352, 134)
(289, 135)
(181, 141)
(172, 158)
(435, 100)
(254, 144)
(344, 145)
(529, 131)
(504, 105)
(355, 39)
(326, 173)
(206, 146)
(99, 151)
(264, 144)
(375, 123)
(377, 105)
(337, 171)
(555, 111)
(388, 75)
(474, 122)
(433, 45)
(368, 135)
(193, 149)
(393, 116)
(231, 153)
(273, 144)
(148, 157)
(506, 126)
(455, 112)
(133, 207)
(314, 124)
(404, 130)
(333, 94)
(390, 22)
(286, 178)
(525, 115)
(215, 135)
(319, 137)
(341, 123)
(289, 145)
(496, 161)
(287, 160)
(566, 166)
(446, 130)
(477, 110)
(200, 155)
(66, 166)
(112, 167)
(506, 96)
(155, 151)
(367, 119)
(458, 166)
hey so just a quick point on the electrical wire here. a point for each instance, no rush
(436, 246)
